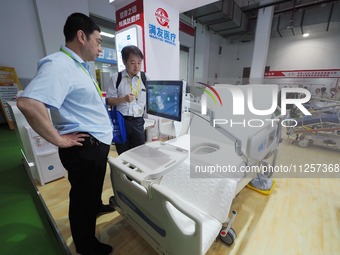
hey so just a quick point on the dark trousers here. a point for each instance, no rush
(86, 166)
(134, 132)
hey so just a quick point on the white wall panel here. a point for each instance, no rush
(52, 16)
(21, 44)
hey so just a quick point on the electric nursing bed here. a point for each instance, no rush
(177, 194)
(322, 128)
(323, 118)
(316, 119)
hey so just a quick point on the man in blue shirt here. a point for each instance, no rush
(81, 126)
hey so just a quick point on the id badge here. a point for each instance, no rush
(138, 109)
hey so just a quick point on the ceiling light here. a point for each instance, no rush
(305, 35)
(107, 34)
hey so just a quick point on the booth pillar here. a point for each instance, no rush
(262, 38)
(159, 23)
(156, 23)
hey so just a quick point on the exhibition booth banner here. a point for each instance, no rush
(9, 87)
(154, 28)
(323, 83)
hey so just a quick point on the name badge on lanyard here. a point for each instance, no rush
(137, 106)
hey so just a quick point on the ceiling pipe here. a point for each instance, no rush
(311, 4)
(264, 6)
(278, 26)
(291, 21)
(330, 17)
(301, 23)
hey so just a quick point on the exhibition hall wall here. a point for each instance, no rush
(318, 51)
(34, 28)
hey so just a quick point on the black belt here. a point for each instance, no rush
(91, 140)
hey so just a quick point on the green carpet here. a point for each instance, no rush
(24, 226)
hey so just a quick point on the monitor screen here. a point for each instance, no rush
(164, 99)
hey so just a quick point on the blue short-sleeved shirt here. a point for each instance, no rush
(70, 94)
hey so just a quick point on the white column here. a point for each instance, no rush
(161, 39)
(262, 38)
(202, 54)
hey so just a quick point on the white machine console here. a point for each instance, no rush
(151, 160)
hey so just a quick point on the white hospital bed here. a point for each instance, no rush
(176, 209)
(155, 200)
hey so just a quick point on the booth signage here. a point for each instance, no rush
(129, 15)
(322, 83)
(130, 30)
(161, 30)
(9, 87)
(335, 73)
(162, 17)
(108, 56)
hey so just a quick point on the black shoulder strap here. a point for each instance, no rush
(119, 78)
(143, 77)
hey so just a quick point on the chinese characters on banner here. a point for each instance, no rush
(304, 74)
(159, 26)
(160, 30)
(321, 83)
(162, 35)
(130, 15)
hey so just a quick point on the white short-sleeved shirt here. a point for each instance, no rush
(124, 88)
(69, 92)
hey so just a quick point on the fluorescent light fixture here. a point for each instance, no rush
(107, 34)
(305, 35)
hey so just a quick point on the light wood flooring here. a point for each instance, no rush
(301, 216)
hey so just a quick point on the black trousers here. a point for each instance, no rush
(134, 132)
(86, 166)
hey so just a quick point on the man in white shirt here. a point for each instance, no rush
(126, 91)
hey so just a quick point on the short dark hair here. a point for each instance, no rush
(79, 21)
(131, 49)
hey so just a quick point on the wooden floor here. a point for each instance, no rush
(301, 216)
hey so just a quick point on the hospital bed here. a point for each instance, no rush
(315, 123)
(317, 106)
(170, 193)
(322, 128)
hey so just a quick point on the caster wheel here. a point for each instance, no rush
(112, 202)
(228, 238)
(303, 143)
